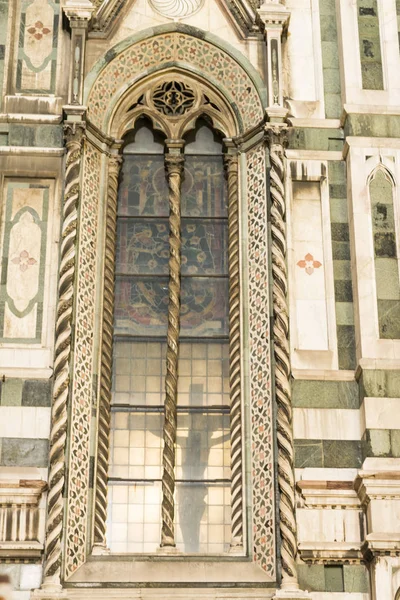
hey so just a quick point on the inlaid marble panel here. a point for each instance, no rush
(24, 234)
(37, 49)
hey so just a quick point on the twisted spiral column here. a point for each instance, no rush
(231, 166)
(174, 166)
(55, 505)
(114, 165)
(286, 481)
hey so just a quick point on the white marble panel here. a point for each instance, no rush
(322, 474)
(384, 516)
(324, 525)
(308, 259)
(380, 413)
(31, 577)
(24, 422)
(326, 423)
(300, 54)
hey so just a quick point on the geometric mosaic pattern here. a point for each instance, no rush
(81, 401)
(182, 49)
(263, 524)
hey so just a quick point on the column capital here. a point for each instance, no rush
(78, 12)
(276, 134)
(274, 15)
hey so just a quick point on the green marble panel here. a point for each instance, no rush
(386, 263)
(11, 392)
(18, 452)
(311, 577)
(344, 313)
(308, 453)
(342, 454)
(370, 45)
(334, 581)
(380, 384)
(335, 454)
(325, 394)
(330, 59)
(356, 579)
(372, 125)
(36, 392)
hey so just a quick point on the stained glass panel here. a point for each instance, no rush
(141, 307)
(204, 307)
(203, 188)
(142, 246)
(204, 249)
(143, 190)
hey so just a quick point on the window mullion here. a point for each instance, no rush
(174, 167)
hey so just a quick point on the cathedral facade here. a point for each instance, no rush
(155, 155)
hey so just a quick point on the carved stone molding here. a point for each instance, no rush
(103, 435)
(276, 137)
(383, 485)
(74, 135)
(19, 520)
(326, 553)
(328, 494)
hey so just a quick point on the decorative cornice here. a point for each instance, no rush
(377, 486)
(321, 553)
(19, 536)
(380, 545)
(274, 15)
(78, 12)
(328, 494)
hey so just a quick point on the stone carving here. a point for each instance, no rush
(173, 98)
(176, 9)
(231, 165)
(114, 165)
(286, 482)
(261, 424)
(174, 166)
(55, 504)
(156, 52)
(19, 520)
(77, 524)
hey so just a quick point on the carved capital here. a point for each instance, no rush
(78, 12)
(74, 132)
(276, 134)
(174, 164)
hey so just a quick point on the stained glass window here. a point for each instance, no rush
(202, 470)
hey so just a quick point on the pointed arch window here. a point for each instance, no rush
(139, 485)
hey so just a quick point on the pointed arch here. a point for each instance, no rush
(187, 48)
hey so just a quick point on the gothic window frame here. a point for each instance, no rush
(92, 151)
(174, 114)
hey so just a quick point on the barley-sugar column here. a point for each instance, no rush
(174, 167)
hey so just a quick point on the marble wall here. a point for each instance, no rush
(341, 63)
